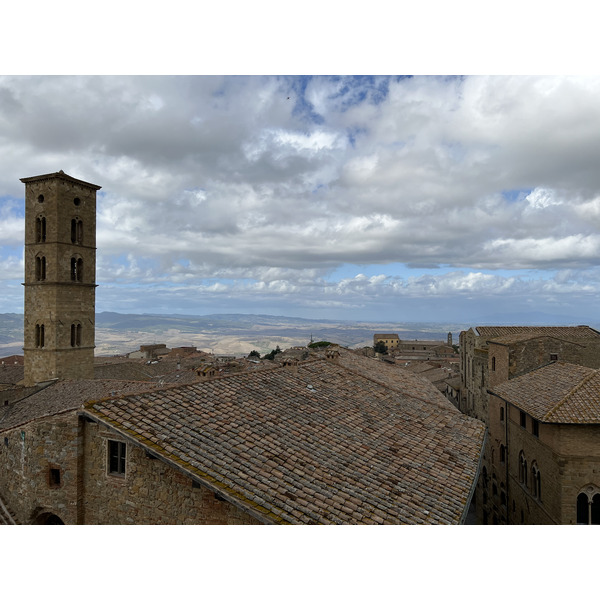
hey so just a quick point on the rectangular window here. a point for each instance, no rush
(116, 457)
(554, 357)
(54, 477)
(535, 427)
(523, 419)
(502, 413)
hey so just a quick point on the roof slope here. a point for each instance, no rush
(63, 396)
(314, 443)
(557, 393)
(579, 332)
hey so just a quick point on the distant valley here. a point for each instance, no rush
(118, 333)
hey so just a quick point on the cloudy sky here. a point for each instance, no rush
(375, 198)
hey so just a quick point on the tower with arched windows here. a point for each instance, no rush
(60, 277)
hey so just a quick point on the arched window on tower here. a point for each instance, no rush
(39, 336)
(76, 231)
(522, 468)
(75, 335)
(76, 269)
(40, 229)
(40, 268)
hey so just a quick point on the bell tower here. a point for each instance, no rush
(60, 278)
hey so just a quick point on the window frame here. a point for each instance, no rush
(116, 458)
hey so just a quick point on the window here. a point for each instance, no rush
(523, 418)
(76, 231)
(522, 467)
(75, 335)
(535, 427)
(536, 481)
(502, 413)
(40, 268)
(588, 507)
(40, 229)
(54, 477)
(76, 269)
(39, 336)
(493, 363)
(554, 357)
(116, 457)
(502, 453)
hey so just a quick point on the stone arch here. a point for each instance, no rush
(588, 505)
(41, 516)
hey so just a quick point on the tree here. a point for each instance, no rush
(254, 354)
(271, 355)
(380, 348)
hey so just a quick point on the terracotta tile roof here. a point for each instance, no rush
(522, 337)
(127, 371)
(62, 396)
(557, 393)
(581, 332)
(11, 374)
(315, 443)
(394, 376)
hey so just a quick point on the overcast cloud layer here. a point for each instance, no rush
(351, 198)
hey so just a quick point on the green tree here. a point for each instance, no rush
(254, 354)
(380, 348)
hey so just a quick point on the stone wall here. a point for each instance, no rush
(151, 492)
(27, 455)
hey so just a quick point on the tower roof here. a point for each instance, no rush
(60, 175)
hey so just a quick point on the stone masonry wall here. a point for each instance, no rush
(27, 454)
(151, 492)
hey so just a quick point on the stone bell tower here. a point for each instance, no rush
(60, 278)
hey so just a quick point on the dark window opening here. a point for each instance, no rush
(502, 453)
(493, 363)
(536, 481)
(41, 198)
(75, 335)
(523, 418)
(40, 268)
(502, 413)
(40, 230)
(39, 336)
(54, 477)
(554, 357)
(535, 427)
(76, 231)
(76, 269)
(76, 201)
(117, 452)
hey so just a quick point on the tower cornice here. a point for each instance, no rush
(60, 175)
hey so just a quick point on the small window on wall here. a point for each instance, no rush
(40, 230)
(39, 336)
(117, 453)
(523, 419)
(493, 363)
(54, 478)
(502, 413)
(535, 427)
(554, 357)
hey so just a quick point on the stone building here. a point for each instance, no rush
(544, 447)
(492, 354)
(336, 439)
(390, 340)
(343, 439)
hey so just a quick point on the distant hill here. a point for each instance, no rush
(118, 333)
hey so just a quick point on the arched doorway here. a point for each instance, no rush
(48, 519)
